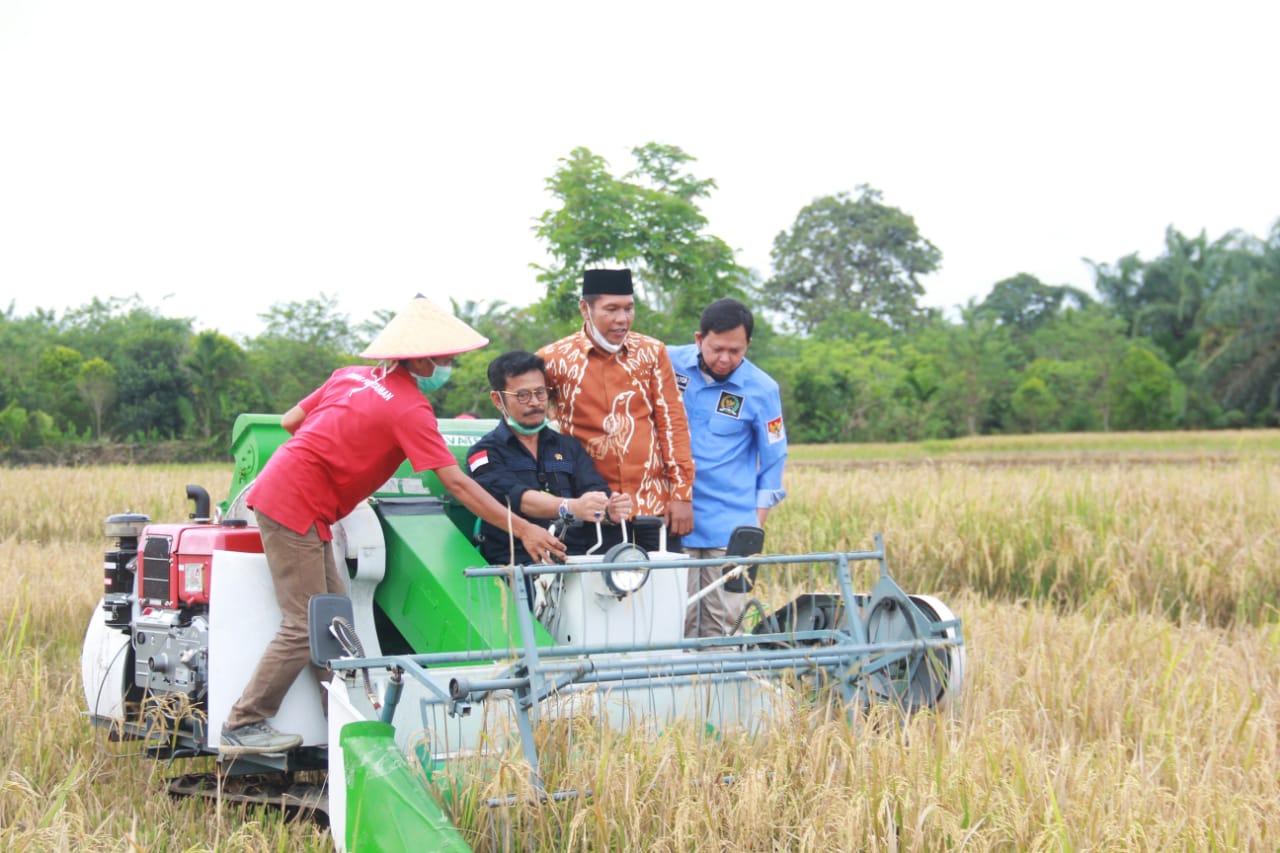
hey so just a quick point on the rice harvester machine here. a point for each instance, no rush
(437, 656)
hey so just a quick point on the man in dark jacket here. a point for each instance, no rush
(541, 474)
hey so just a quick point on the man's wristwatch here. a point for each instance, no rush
(564, 509)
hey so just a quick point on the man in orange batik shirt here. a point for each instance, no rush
(617, 395)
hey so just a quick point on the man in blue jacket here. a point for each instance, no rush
(739, 449)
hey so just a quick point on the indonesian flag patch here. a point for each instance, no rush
(478, 460)
(776, 432)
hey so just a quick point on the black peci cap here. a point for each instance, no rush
(614, 282)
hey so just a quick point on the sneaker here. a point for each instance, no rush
(256, 739)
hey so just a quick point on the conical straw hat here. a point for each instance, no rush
(423, 329)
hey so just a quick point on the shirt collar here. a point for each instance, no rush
(731, 382)
(690, 365)
(505, 433)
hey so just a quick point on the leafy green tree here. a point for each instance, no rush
(649, 221)
(1034, 403)
(101, 327)
(301, 345)
(915, 416)
(314, 322)
(213, 363)
(468, 390)
(22, 339)
(146, 349)
(96, 383)
(1142, 390)
(846, 254)
(1023, 303)
(57, 370)
(837, 390)
(592, 226)
(507, 327)
(1086, 347)
(150, 382)
(13, 427)
(364, 333)
(1069, 385)
(978, 358)
(26, 430)
(846, 325)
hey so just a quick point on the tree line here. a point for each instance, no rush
(1188, 339)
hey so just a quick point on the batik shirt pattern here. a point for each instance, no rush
(626, 410)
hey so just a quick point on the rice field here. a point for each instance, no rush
(1120, 604)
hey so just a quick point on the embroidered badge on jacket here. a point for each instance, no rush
(730, 404)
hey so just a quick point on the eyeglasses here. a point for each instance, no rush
(525, 395)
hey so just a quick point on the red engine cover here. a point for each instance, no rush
(176, 560)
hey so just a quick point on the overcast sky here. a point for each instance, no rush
(216, 158)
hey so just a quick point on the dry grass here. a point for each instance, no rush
(62, 785)
(1123, 686)
(985, 449)
(1198, 540)
(1077, 732)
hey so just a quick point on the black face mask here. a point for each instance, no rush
(719, 377)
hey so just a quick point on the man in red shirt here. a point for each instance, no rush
(348, 438)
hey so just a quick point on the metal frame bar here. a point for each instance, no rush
(535, 673)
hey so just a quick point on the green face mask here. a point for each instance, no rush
(437, 379)
(524, 430)
(520, 428)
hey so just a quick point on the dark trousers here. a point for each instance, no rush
(645, 537)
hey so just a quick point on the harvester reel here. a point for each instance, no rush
(919, 678)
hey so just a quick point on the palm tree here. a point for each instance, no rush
(1240, 347)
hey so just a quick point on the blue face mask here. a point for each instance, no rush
(437, 379)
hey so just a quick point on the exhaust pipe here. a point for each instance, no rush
(201, 499)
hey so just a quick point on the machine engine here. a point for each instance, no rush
(156, 592)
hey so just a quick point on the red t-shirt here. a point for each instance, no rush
(357, 431)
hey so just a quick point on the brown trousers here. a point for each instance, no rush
(301, 566)
(715, 614)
